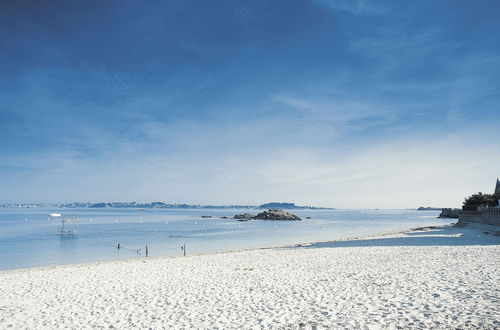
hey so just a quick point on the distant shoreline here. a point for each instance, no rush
(160, 205)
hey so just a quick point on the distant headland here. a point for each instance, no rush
(428, 208)
(162, 205)
(291, 206)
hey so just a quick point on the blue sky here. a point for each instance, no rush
(323, 102)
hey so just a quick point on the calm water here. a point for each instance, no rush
(28, 238)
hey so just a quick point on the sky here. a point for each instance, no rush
(336, 103)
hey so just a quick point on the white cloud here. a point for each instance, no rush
(340, 115)
(417, 169)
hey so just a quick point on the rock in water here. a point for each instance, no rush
(244, 216)
(449, 213)
(273, 214)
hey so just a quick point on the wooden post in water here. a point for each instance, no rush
(146, 250)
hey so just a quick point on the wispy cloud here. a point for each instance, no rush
(210, 166)
(338, 113)
(389, 41)
(19, 168)
(252, 10)
(356, 6)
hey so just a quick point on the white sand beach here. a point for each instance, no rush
(442, 278)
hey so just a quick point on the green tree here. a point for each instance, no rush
(472, 202)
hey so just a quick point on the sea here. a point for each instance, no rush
(29, 237)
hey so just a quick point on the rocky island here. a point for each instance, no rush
(271, 214)
(428, 208)
(244, 217)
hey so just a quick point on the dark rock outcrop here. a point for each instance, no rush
(274, 214)
(244, 216)
(449, 213)
(428, 208)
(271, 214)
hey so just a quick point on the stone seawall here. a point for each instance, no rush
(489, 216)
